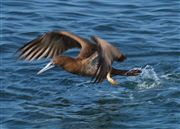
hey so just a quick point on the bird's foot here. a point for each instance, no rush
(111, 80)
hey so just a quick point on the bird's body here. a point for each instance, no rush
(83, 66)
(95, 58)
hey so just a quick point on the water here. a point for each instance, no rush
(147, 32)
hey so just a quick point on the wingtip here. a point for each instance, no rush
(94, 38)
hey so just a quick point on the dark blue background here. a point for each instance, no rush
(148, 32)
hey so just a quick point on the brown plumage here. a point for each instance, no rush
(95, 58)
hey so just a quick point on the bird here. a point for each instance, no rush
(95, 58)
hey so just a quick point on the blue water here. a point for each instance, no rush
(148, 32)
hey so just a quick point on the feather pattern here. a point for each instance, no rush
(52, 44)
(106, 55)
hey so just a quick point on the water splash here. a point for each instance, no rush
(147, 79)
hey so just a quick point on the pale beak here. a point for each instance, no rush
(47, 67)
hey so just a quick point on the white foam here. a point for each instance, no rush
(147, 79)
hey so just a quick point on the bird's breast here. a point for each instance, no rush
(89, 65)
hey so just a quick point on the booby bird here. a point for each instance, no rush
(95, 58)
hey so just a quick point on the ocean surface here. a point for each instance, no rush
(148, 32)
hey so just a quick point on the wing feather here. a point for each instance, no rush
(52, 44)
(106, 55)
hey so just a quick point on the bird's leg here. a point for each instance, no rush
(110, 79)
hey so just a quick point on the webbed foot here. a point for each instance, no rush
(111, 80)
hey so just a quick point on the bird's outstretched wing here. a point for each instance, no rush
(106, 55)
(52, 44)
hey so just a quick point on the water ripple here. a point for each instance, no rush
(147, 32)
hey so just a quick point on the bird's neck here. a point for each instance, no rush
(69, 64)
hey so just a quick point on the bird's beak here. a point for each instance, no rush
(47, 67)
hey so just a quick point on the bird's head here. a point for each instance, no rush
(57, 61)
